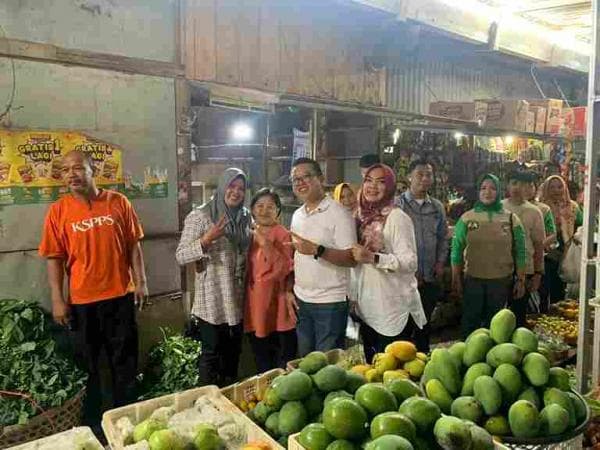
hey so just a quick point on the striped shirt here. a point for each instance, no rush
(220, 272)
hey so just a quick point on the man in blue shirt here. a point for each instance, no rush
(431, 232)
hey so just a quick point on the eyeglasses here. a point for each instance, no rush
(302, 179)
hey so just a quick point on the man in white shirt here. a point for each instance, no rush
(323, 233)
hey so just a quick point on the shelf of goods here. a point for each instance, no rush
(185, 413)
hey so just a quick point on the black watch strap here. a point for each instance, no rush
(320, 251)
(376, 258)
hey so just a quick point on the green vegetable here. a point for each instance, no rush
(172, 366)
(31, 365)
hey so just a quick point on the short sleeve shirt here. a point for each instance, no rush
(95, 241)
(533, 225)
(330, 225)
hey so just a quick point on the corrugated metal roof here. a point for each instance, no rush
(411, 86)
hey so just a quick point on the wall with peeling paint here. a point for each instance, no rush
(133, 111)
(136, 28)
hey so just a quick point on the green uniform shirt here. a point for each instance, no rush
(549, 224)
(484, 244)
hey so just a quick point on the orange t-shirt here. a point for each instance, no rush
(95, 241)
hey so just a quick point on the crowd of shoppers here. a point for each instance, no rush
(368, 249)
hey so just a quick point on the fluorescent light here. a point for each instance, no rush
(241, 132)
(509, 140)
(396, 135)
(458, 136)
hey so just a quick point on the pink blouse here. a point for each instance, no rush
(268, 271)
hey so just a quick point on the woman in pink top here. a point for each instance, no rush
(267, 320)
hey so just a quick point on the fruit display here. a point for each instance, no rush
(500, 381)
(205, 425)
(400, 360)
(569, 309)
(545, 324)
(330, 408)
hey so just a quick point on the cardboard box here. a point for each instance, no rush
(506, 114)
(580, 124)
(453, 110)
(567, 122)
(540, 119)
(553, 113)
(530, 124)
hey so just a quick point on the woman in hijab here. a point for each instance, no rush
(383, 282)
(344, 195)
(216, 237)
(488, 249)
(567, 217)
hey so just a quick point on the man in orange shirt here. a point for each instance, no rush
(93, 236)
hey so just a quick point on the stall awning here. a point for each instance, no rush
(253, 100)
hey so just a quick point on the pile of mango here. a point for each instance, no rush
(499, 380)
(336, 409)
(400, 360)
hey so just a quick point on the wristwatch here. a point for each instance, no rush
(320, 251)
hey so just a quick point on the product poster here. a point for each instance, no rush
(301, 146)
(30, 167)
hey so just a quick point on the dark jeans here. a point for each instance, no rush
(430, 294)
(275, 350)
(321, 326)
(481, 300)
(110, 325)
(373, 342)
(221, 348)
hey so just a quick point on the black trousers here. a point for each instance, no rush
(430, 294)
(275, 350)
(221, 348)
(373, 342)
(519, 305)
(110, 325)
(482, 298)
(553, 287)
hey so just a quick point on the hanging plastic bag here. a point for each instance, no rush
(533, 303)
(570, 265)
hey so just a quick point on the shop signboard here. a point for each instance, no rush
(30, 167)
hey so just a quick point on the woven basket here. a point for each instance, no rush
(45, 424)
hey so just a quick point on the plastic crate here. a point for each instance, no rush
(54, 441)
(293, 444)
(140, 411)
(333, 356)
(256, 385)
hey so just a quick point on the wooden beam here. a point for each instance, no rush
(35, 51)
